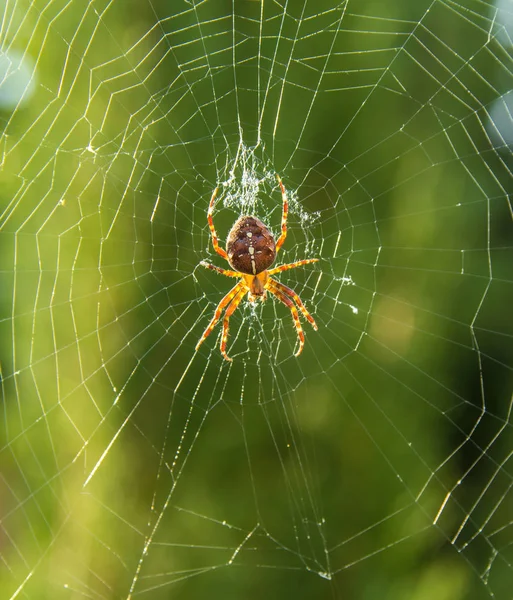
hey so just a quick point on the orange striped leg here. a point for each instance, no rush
(229, 311)
(215, 241)
(219, 270)
(293, 265)
(220, 307)
(286, 290)
(283, 235)
(295, 315)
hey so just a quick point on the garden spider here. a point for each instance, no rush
(250, 250)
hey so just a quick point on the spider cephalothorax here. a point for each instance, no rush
(251, 250)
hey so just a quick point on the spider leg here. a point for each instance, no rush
(285, 213)
(229, 311)
(219, 270)
(288, 302)
(293, 265)
(292, 294)
(220, 307)
(215, 241)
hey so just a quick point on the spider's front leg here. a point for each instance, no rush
(295, 315)
(229, 311)
(220, 307)
(292, 294)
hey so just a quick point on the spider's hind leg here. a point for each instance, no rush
(215, 241)
(284, 215)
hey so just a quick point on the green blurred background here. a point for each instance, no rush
(375, 465)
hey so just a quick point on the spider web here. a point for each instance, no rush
(376, 464)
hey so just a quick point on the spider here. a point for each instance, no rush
(251, 250)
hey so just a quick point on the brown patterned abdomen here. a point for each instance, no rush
(250, 246)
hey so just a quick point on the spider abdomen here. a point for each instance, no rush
(250, 246)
